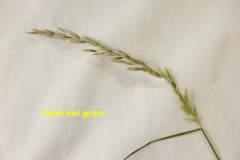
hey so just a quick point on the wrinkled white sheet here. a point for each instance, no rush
(198, 40)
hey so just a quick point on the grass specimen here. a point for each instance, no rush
(134, 64)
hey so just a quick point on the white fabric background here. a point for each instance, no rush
(198, 40)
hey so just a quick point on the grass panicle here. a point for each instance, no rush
(119, 56)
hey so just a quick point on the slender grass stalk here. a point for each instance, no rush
(161, 139)
(209, 142)
(133, 64)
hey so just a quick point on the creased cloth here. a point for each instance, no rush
(197, 40)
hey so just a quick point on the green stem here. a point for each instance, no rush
(164, 138)
(209, 142)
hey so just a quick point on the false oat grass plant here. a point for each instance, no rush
(134, 64)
